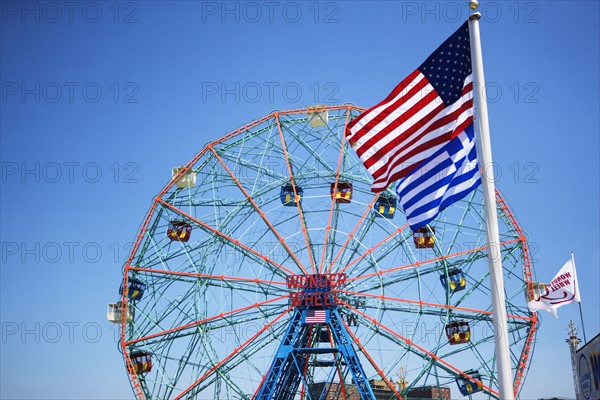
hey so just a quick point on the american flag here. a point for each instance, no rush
(425, 111)
(316, 316)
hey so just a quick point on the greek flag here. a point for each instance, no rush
(440, 180)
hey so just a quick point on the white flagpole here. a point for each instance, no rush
(482, 130)
(579, 294)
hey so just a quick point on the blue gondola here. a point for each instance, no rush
(467, 386)
(287, 196)
(457, 280)
(136, 289)
(385, 206)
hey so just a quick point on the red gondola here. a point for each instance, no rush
(424, 238)
(343, 193)
(179, 231)
(142, 362)
(458, 332)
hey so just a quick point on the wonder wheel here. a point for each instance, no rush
(267, 269)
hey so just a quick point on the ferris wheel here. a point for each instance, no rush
(267, 269)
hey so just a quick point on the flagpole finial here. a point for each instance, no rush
(474, 16)
(473, 4)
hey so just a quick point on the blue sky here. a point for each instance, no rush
(100, 99)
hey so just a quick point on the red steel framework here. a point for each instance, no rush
(528, 271)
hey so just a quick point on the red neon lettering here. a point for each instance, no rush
(327, 299)
(317, 281)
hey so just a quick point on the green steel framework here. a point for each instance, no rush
(216, 307)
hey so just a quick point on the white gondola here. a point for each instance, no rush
(113, 313)
(188, 179)
(317, 116)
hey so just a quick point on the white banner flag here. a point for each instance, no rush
(562, 290)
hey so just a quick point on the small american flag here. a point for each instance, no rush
(430, 107)
(316, 316)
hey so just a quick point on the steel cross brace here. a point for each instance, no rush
(287, 369)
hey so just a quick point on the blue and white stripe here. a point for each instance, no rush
(442, 179)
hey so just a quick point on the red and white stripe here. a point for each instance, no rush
(411, 124)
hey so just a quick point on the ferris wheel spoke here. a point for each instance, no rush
(258, 168)
(223, 279)
(416, 272)
(484, 363)
(463, 217)
(215, 327)
(385, 254)
(234, 353)
(382, 375)
(480, 284)
(333, 203)
(214, 323)
(230, 240)
(224, 371)
(370, 250)
(426, 262)
(260, 212)
(309, 246)
(357, 241)
(306, 147)
(143, 239)
(435, 306)
(351, 235)
(377, 335)
(165, 255)
(424, 352)
(331, 243)
(205, 320)
(162, 358)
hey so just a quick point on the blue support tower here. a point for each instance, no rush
(287, 371)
